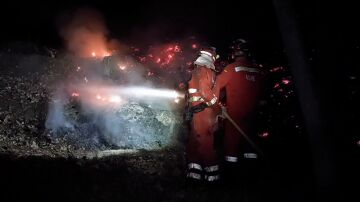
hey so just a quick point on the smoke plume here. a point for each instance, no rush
(128, 98)
(85, 34)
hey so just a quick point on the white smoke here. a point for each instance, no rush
(85, 34)
(111, 101)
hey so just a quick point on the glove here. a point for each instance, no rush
(223, 110)
(199, 107)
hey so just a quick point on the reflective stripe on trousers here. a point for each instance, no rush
(192, 175)
(212, 173)
(211, 178)
(194, 166)
(232, 159)
(212, 168)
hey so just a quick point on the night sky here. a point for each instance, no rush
(216, 23)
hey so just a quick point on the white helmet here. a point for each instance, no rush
(207, 57)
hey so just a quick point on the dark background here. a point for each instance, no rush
(217, 22)
(328, 34)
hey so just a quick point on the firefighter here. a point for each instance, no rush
(202, 159)
(241, 81)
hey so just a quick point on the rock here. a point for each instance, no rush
(63, 148)
(34, 145)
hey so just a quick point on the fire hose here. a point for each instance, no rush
(228, 117)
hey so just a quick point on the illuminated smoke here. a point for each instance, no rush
(127, 99)
(85, 34)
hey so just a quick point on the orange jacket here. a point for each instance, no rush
(201, 86)
(242, 81)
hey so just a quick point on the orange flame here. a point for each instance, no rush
(122, 67)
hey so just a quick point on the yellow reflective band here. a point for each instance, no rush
(209, 54)
(246, 69)
(231, 159)
(212, 168)
(250, 156)
(212, 101)
(194, 166)
(195, 99)
(194, 176)
(212, 178)
(192, 90)
(206, 53)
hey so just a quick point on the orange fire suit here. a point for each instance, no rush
(202, 160)
(241, 81)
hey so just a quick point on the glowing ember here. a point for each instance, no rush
(78, 68)
(100, 54)
(358, 143)
(276, 69)
(158, 60)
(170, 56)
(122, 67)
(142, 59)
(264, 134)
(177, 49)
(277, 85)
(285, 81)
(194, 46)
